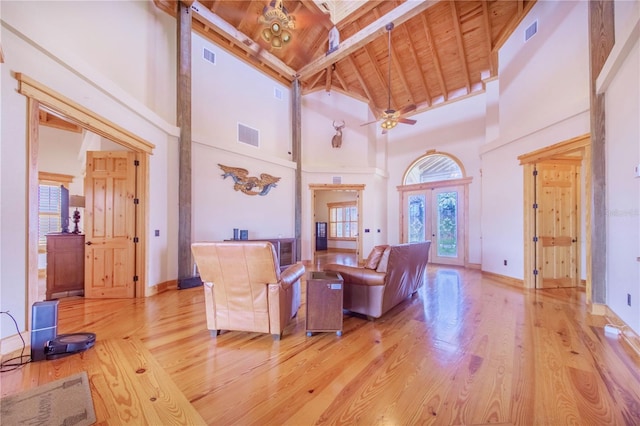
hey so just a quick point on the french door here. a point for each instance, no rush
(436, 214)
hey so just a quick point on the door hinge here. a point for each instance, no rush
(535, 272)
(136, 239)
(136, 162)
(535, 205)
(135, 278)
(136, 201)
(535, 173)
(535, 239)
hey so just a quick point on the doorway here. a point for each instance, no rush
(556, 233)
(41, 98)
(436, 214)
(356, 195)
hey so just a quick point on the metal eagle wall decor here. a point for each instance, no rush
(248, 184)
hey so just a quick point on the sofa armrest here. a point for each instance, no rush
(357, 275)
(292, 274)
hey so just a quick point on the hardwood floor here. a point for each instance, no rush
(465, 350)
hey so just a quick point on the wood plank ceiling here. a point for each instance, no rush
(441, 51)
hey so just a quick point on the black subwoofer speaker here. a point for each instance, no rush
(44, 327)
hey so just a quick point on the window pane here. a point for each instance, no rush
(433, 168)
(417, 218)
(49, 211)
(448, 224)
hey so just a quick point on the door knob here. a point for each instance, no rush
(574, 240)
(88, 243)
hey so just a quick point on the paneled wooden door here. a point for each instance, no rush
(556, 224)
(110, 224)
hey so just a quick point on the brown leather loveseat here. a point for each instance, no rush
(390, 275)
(244, 289)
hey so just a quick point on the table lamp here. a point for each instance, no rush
(76, 201)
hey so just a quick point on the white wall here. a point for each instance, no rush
(35, 44)
(544, 99)
(622, 117)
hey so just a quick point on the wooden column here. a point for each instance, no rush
(296, 142)
(185, 263)
(601, 40)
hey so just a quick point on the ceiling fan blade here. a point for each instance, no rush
(370, 122)
(407, 121)
(408, 108)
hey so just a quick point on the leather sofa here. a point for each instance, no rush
(390, 275)
(244, 288)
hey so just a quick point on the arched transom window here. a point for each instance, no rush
(433, 167)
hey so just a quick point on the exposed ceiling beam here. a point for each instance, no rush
(416, 63)
(493, 61)
(339, 77)
(400, 14)
(366, 90)
(434, 55)
(461, 53)
(327, 83)
(207, 17)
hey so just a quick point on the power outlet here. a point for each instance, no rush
(628, 299)
(505, 262)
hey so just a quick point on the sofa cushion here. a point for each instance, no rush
(374, 257)
(384, 260)
(356, 275)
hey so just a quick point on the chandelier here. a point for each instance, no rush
(277, 23)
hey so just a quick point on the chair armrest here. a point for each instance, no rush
(357, 275)
(292, 274)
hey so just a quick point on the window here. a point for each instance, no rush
(49, 203)
(343, 220)
(433, 167)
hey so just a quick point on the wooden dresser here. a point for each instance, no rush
(65, 265)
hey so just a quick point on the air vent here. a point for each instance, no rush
(248, 135)
(337, 180)
(208, 55)
(531, 30)
(278, 93)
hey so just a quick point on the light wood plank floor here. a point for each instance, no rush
(466, 351)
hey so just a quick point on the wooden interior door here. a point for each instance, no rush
(556, 224)
(110, 194)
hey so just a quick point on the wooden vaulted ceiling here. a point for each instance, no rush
(441, 51)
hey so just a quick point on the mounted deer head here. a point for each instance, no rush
(336, 140)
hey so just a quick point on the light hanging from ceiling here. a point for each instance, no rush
(389, 123)
(277, 23)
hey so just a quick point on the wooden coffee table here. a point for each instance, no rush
(324, 302)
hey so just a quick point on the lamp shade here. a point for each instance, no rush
(76, 201)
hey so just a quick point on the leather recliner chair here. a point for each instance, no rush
(244, 288)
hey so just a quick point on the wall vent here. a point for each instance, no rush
(336, 180)
(248, 135)
(208, 55)
(531, 30)
(278, 93)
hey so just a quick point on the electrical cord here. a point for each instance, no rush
(9, 364)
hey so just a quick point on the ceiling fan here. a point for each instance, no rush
(390, 117)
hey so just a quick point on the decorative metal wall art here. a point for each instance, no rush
(248, 184)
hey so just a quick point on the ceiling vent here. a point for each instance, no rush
(336, 180)
(208, 55)
(248, 135)
(531, 30)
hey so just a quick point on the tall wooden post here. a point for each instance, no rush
(601, 39)
(296, 142)
(184, 122)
